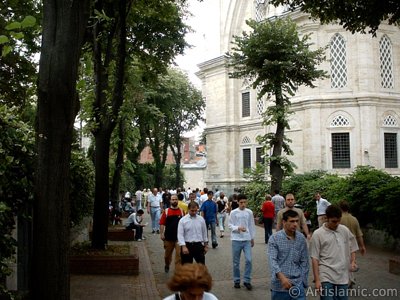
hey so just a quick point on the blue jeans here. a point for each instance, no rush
(332, 291)
(237, 247)
(295, 293)
(221, 221)
(213, 233)
(155, 213)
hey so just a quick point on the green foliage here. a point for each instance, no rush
(364, 183)
(256, 189)
(19, 43)
(356, 15)
(169, 177)
(304, 186)
(277, 61)
(16, 179)
(82, 187)
(17, 169)
(373, 194)
(386, 206)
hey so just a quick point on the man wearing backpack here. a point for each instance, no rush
(169, 231)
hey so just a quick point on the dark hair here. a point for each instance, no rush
(276, 192)
(193, 204)
(210, 193)
(140, 212)
(241, 197)
(333, 211)
(180, 196)
(289, 214)
(344, 205)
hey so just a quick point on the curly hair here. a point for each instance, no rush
(189, 276)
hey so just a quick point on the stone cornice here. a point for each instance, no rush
(211, 64)
(231, 128)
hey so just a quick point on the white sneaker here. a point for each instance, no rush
(139, 240)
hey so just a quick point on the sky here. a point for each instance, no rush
(204, 42)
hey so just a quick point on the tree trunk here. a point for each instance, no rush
(119, 162)
(178, 179)
(178, 157)
(64, 24)
(107, 122)
(100, 213)
(276, 170)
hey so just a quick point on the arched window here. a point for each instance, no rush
(340, 143)
(338, 62)
(386, 60)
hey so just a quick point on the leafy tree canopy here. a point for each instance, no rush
(19, 42)
(355, 16)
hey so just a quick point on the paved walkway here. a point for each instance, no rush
(374, 281)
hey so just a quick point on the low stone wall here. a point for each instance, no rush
(105, 264)
(394, 265)
(380, 239)
(118, 234)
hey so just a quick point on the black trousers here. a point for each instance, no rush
(196, 252)
(138, 230)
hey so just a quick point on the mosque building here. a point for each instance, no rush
(351, 118)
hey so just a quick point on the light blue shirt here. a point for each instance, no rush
(289, 257)
(243, 218)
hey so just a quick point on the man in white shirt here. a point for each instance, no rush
(135, 221)
(192, 236)
(204, 197)
(154, 209)
(139, 195)
(242, 225)
(322, 205)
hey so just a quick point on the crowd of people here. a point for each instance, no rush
(184, 218)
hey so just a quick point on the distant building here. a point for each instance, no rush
(193, 164)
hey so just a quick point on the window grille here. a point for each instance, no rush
(338, 62)
(391, 150)
(246, 140)
(385, 55)
(246, 83)
(259, 6)
(246, 104)
(260, 106)
(246, 159)
(340, 150)
(340, 121)
(390, 121)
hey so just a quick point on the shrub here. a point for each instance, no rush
(16, 180)
(82, 187)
